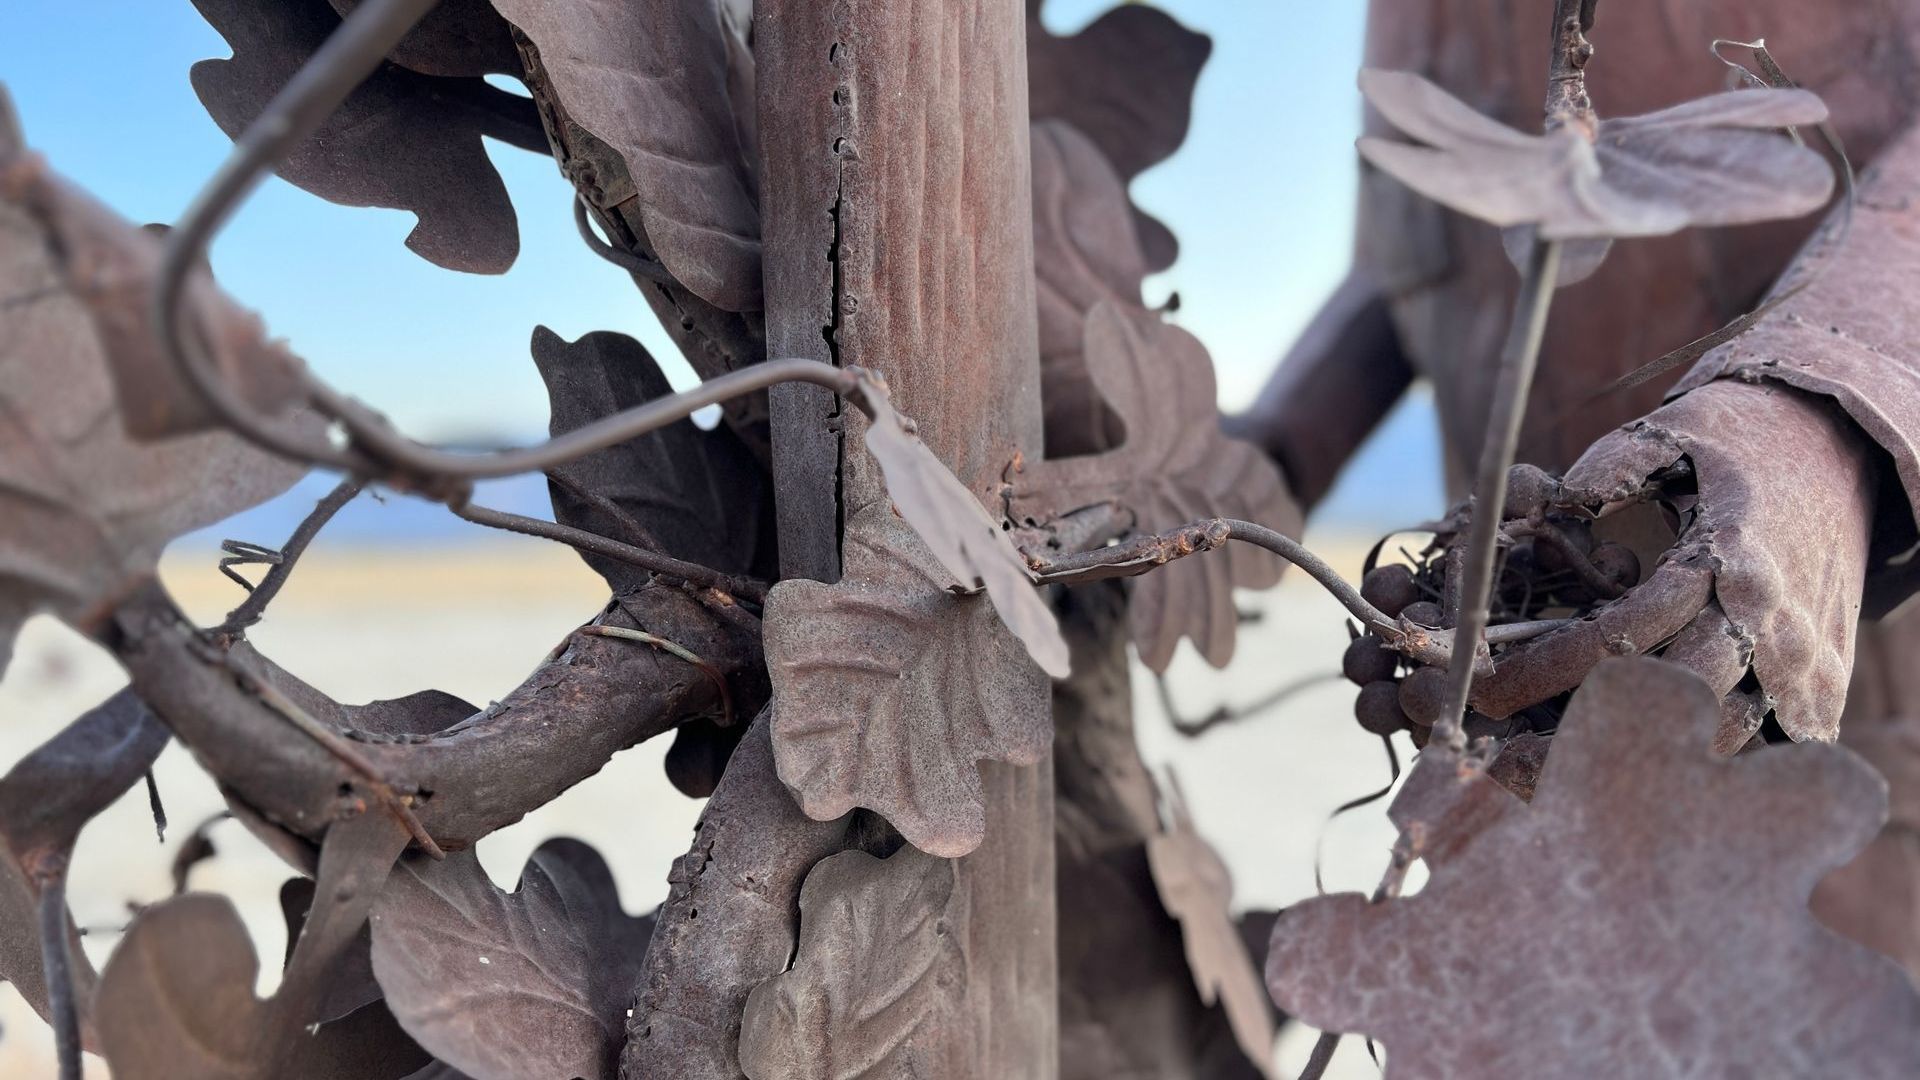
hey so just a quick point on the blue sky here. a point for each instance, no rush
(1261, 197)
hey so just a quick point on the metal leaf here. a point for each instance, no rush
(887, 689)
(649, 79)
(176, 998)
(1722, 158)
(88, 510)
(350, 986)
(456, 38)
(45, 800)
(878, 984)
(696, 495)
(530, 985)
(1174, 467)
(402, 140)
(179, 992)
(1126, 81)
(953, 526)
(1085, 250)
(1197, 889)
(1713, 161)
(1634, 920)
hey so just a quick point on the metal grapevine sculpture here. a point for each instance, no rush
(884, 607)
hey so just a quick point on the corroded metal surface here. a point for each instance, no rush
(894, 189)
(402, 140)
(1449, 278)
(1662, 929)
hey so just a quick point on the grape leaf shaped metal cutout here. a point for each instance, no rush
(1174, 467)
(529, 985)
(1126, 81)
(1718, 160)
(88, 509)
(176, 998)
(1645, 915)
(401, 140)
(878, 983)
(1085, 250)
(696, 495)
(957, 530)
(456, 39)
(888, 688)
(45, 800)
(649, 79)
(1196, 888)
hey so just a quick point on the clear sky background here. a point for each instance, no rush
(1261, 197)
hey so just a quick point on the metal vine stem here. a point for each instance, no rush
(56, 967)
(1567, 104)
(363, 41)
(1518, 361)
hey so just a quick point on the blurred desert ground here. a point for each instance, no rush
(472, 617)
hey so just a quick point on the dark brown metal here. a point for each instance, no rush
(458, 38)
(1443, 274)
(611, 695)
(177, 996)
(882, 944)
(254, 606)
(45, 800)
(400, 139)
(1126, 82)
(648, 81)
(1173, 466)
(1518, 360)
(888, 667)
(1336, 383)
(720, 933)
(458, 960)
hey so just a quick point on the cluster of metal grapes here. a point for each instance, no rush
(1550, 566)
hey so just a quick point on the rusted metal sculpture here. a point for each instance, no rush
(885, 607)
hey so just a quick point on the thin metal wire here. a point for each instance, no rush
(632, 263)
(314, 92)
(254, 606)
(580, 539)
(1519, 360)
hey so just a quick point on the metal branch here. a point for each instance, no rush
(651, 561)
(672, 648)
(464, 782)
(1140, 555)
(56, 966)
(255, 605)
(1517, 364)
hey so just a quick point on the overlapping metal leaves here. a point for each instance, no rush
(1636, 913)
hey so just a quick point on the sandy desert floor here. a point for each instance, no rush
(473, 620)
